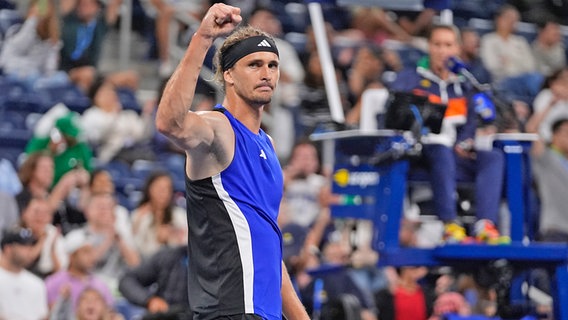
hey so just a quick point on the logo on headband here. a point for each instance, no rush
(264, 43)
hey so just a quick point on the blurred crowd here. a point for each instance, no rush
(92, 216)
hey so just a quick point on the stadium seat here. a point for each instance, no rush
(128, 99)
(68, 94)
(11, 120)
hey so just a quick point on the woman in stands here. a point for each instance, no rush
(157, 221)
(31, 54)
(36, 175)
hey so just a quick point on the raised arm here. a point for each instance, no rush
(188, 129)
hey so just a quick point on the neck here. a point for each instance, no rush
(77, 273)
(247, 114)
(442, 72)
(408, 285)
(503, 34)
(6, 265)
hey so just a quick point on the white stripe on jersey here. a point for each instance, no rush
(242, 232)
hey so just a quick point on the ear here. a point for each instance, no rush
(228, 77)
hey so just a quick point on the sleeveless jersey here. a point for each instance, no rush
(235, 244)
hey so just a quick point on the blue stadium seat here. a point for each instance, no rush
(128, 99)
(68, 94)
(117, 170)
(11, 120)
(11, 154)
(15, 138)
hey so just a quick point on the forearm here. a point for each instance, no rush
(132, 290)
(112, 11)
(179, 91)
(291, 305)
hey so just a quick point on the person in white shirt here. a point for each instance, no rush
(48, 253)
(23, 295)
(504, 53)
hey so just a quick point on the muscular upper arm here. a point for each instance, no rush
(208, 140)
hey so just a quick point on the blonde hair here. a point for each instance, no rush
(238, 35)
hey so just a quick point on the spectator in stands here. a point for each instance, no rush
(66, 145)
(160, 285)
(163, 13)
(303, 184)
(554, 95)
(548, 48)
(314, 105)
(91, 305)
(366, 69)
(114, 250)
(504, 53)
(113, 131)
(36, 174)
(470, 55)
(65, 287)
(450, 154)
(102, 182)
(549, 159)
(450, 303)
(31, 54)
(86, 24)
(22, 294)
(48, 252)
(335, 281)
(157, 222)
(407, 298)
(279, 119)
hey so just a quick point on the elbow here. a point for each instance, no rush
(162, 126)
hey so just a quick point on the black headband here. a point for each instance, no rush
(245, 47)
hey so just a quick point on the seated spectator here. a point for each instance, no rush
(113, 131)
(65, 144)
(504, 53)
(160, 285)
(48, 253)
(22, 294)
(549, 158)
(470, 55)
(36, 175)
(303, 184)
(407, 298)
(114, 248)
(335, 281)
(548, 48)
(86, 24)
(450, 303)
(31, 55)
(67, 285)
(102, 182)
(553, 96)
(157, 221)
(91, 305)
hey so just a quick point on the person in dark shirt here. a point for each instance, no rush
(166, 271)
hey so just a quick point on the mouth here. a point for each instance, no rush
(265, 86)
